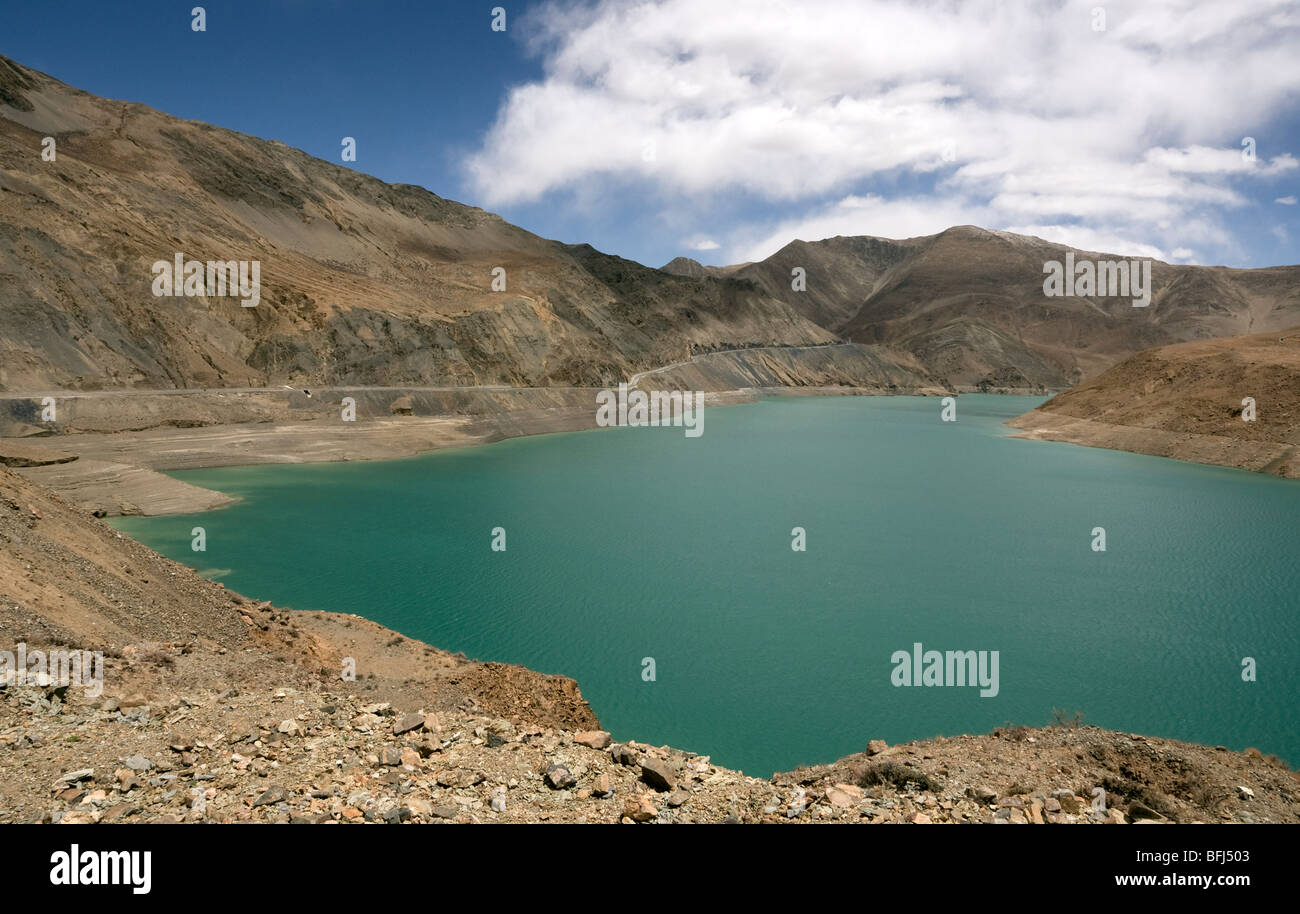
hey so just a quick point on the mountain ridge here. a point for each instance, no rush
(362, 281)
(370, 283)
(968, 303)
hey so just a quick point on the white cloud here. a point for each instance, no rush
(1288, 200)
(702, 244)
(1086, 239)
(1020, 112)
(1205, 160)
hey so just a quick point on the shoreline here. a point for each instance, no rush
(1267, 457)
(113, 453)
(113, 461)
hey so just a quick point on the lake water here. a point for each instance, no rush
(626, 544)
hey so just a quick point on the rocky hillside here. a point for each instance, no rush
(362, 282)
(1185, 401)
(968, 304)
(218, 708)
(368, 283)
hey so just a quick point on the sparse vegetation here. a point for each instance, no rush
(1063, 718)
(894, 774)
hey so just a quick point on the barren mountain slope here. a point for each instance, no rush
(362, 282)
(968, 303)
(1186, 401)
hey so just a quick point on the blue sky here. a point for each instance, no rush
(723, 130)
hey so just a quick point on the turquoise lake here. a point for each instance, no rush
(625, 544)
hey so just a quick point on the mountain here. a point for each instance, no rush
(374, 284)
(1186, 401)
(968, 303)
(362, 282)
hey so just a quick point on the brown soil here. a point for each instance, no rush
(1186, 401)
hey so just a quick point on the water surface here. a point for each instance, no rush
(624, 544)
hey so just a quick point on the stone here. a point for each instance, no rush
(138, 763)
(592, 739)
(558, 777)
(271, 795)
(602, 786)
(468, 777)
(798, 804)
(641, 808)
(624, 754)
(1070, 804)
(498, 801)
(407, 723)
(1245, 792)
(876, 746)
(981, 794)
(410, 758)
(839, 799)
(1141, 811)
(390, 756)
(678, 798)
(81, 774)
(658, 774)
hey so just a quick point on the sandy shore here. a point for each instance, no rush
(118, 473)
(111, 450)
(108, 464)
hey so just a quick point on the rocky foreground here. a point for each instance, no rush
(322, 755)
(218, 708)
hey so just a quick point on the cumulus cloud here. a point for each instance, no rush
(1018, 113)
(702, 244)
(1288, 200)
(1105, 242)
(1205, 160)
